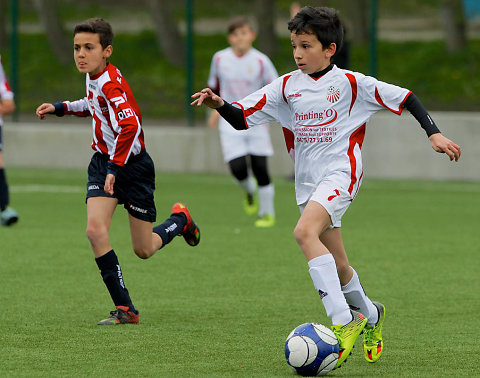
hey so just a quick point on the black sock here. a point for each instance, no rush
(113, 278)
(171, 227)
(3, 190)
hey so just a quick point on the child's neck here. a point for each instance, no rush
(240, 53)
(318, 74)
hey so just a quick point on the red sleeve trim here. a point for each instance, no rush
(380, 101)
(353, 83)
(285, 79)
(243, 111)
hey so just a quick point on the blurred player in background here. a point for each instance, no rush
(324, 111)
(8, 215)
(120, 171)
(236, 72)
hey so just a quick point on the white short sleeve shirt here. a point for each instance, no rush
(324, 121)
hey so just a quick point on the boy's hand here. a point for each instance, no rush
(445, 145)
(44, 109)
(109, 181)
(207, 97)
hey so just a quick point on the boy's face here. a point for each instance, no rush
(90, 56)
(309, 53)
(241, 39)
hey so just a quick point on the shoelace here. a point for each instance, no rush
(368, 335)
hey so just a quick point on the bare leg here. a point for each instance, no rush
(145, 242)
(99, 216)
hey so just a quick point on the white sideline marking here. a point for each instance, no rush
(46, 189)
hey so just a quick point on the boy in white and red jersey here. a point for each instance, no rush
(324, 110)
(236, 72)
(120, 171)
(7, 105)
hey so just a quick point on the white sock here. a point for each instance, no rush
(325, 278)
(248, 184)
(265, 200)
(355, 296)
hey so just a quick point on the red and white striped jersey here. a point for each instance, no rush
(5, 91)
(117, 121)
(324, 121)
(238, 76)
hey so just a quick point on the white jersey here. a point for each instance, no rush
(5, 91)
(235, 77)
(324, 122)
(238, 76)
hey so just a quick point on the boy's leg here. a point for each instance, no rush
(146, 241)
(99, 215)
(239, 170)
(314, 221)
(8, 215)
(266, 192)
(356, 297)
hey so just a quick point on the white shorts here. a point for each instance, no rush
(333, 197)
(236, 143)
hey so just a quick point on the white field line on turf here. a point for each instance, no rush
(46, 189)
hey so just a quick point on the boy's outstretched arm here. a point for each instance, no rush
(234, 116)
(44, 109)
(445, 145)
(208, 97)
(439, 142)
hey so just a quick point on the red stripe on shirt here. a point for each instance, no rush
(356, 138)
(258, 106)
(380, 101)
(353, 83)
(100, 144)
(289, 139)
(285, 79)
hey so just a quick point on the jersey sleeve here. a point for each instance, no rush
(122, 113)
(213, 80)
(5, 91)
(269, 71)
(264, 105)
(378, 94)
(79, 108)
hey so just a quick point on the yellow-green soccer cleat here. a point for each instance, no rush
(372, 336)
(347, 335)
(250, 204)
(265, 221)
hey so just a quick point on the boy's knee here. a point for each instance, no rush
(143, 252)
(300, 233)
(94, 232)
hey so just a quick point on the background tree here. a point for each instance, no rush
(167, 33)
(454, 25)
(53, 26)
(266, 34)
(3, 25)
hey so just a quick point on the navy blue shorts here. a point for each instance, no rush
(134, 184)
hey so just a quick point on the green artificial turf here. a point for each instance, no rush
(224, 308)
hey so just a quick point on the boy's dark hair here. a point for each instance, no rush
(238, 22)
(96, 26)
(322, 21)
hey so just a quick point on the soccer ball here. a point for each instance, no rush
(312, 349)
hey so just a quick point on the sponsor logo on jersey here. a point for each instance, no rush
(135, 208)
(93, 87)
(333, 94)
(318, 118)
(125, 113)
(292, 95)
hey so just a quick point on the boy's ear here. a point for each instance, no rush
(107, 52)
(330, 50)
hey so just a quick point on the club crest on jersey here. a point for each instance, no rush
(333, 94)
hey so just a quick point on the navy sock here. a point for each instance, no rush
(113, 279)
(171, 227)
(4, 200)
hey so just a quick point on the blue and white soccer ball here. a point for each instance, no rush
(312, 349)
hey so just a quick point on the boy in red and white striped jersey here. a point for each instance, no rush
(324, 110)
(120, 171)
